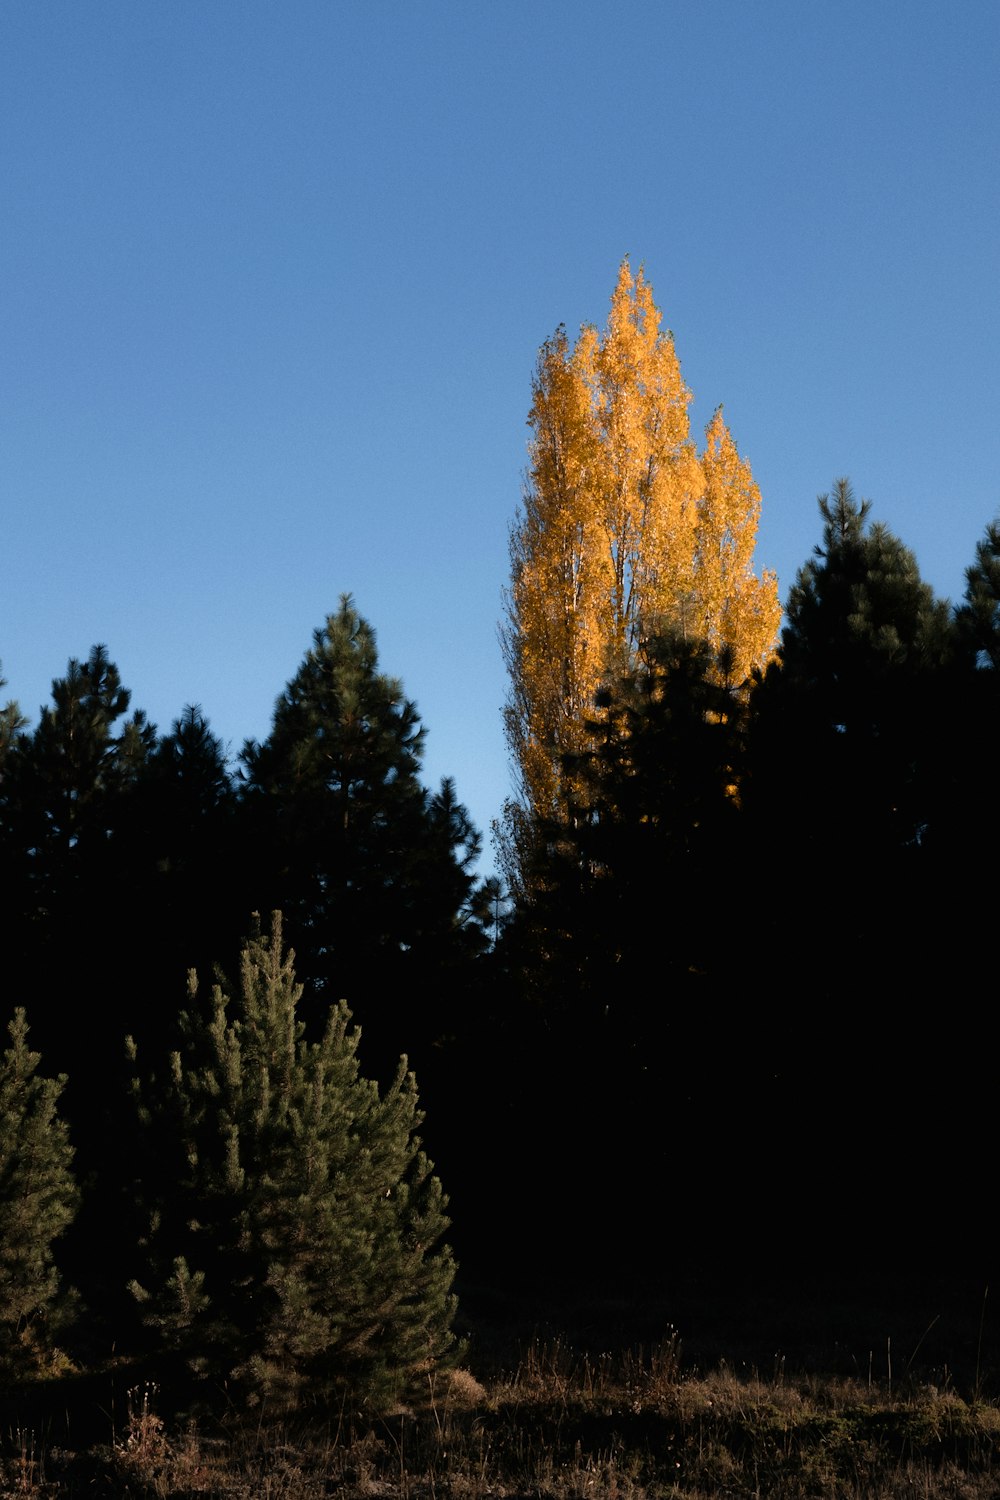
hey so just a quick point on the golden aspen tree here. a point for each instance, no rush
(552, 642)
(624, 532)
(732, 607)
(647, 480)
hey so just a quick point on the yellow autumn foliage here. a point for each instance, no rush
(734, 608)
(625, 531)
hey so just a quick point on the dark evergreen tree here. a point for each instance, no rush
(183, 893)
(72, 945)
(12, 859)
(652, 819)
(848, 716)
(64, 781)
(861, 621)
(12, 721)
(979, 615)
(63, 798)
(629, 955)
(967, 820)
(851, 758)
(375, 874)
(173, 887)
(193, 790)
(37, 1202)
(295, 1226)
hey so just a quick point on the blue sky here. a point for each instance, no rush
(273, 279)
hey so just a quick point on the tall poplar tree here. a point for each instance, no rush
(625, 533)
(732, 608)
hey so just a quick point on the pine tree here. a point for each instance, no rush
(12, 857)
(620, 891)
(962, 829)
(38, 1200)
(859, 614)
(856, 746)
(862, 656)
(979, 615)
(185, 899)
(64, 782)
(625, 533)
(846, 745)
(12, 721)
(295, 1225)
(374, 874)
(64, 807)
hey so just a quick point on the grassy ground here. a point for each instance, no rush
(563, 1424)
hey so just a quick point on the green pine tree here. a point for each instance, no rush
(373, 873)
(848, 716)
(181, 891)
(978, 616)
(64, 782)
(12, 721)
(968, 819)
(295, 1236)
(38, 1199)
(863, 792)
(65, 802)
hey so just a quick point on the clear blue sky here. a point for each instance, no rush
(273, 278)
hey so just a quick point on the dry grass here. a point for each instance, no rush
(630, 1426)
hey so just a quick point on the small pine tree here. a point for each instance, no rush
(296, 1234)
(38, 1200)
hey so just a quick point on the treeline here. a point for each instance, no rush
(129, 857)
(233, 1200)
(753, 877)
(742, 994)
(737, 1012)
(758, 942)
